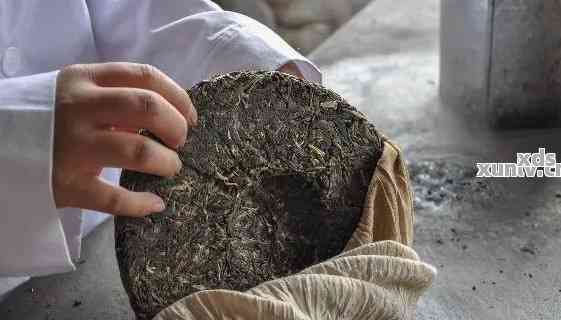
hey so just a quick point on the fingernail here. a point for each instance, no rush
(158, 205)
(194, 119)
(179, 165)
(184, 140)
(182, 144)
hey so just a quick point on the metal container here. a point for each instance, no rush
(500, 60)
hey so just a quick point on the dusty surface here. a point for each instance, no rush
(496, 242)
(93, 292)
(303, 24)
(274, 180)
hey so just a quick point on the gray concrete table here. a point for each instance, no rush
(496, 243)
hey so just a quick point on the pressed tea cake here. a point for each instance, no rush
(274, 180)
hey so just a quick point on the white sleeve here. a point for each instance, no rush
(190, 40)
(32, 240)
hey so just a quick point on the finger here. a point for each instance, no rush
(119, 74)
(292, 69)
(101, 196)
(139, 109)
(130, 130)
(132, 151)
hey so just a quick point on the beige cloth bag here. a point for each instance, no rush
(377, 277)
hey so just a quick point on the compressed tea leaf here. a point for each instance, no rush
(274, 180)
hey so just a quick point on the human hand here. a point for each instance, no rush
(291, 69)
(99, 109)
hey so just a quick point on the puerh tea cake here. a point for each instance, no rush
(274, 180)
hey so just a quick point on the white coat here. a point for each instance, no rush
(189, 40)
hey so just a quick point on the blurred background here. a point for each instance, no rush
(303, 24)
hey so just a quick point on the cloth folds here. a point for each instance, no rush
(378, 276)
(388, 208)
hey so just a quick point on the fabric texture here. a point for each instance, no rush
(29, 243)
(377, 277)
(388, 212)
